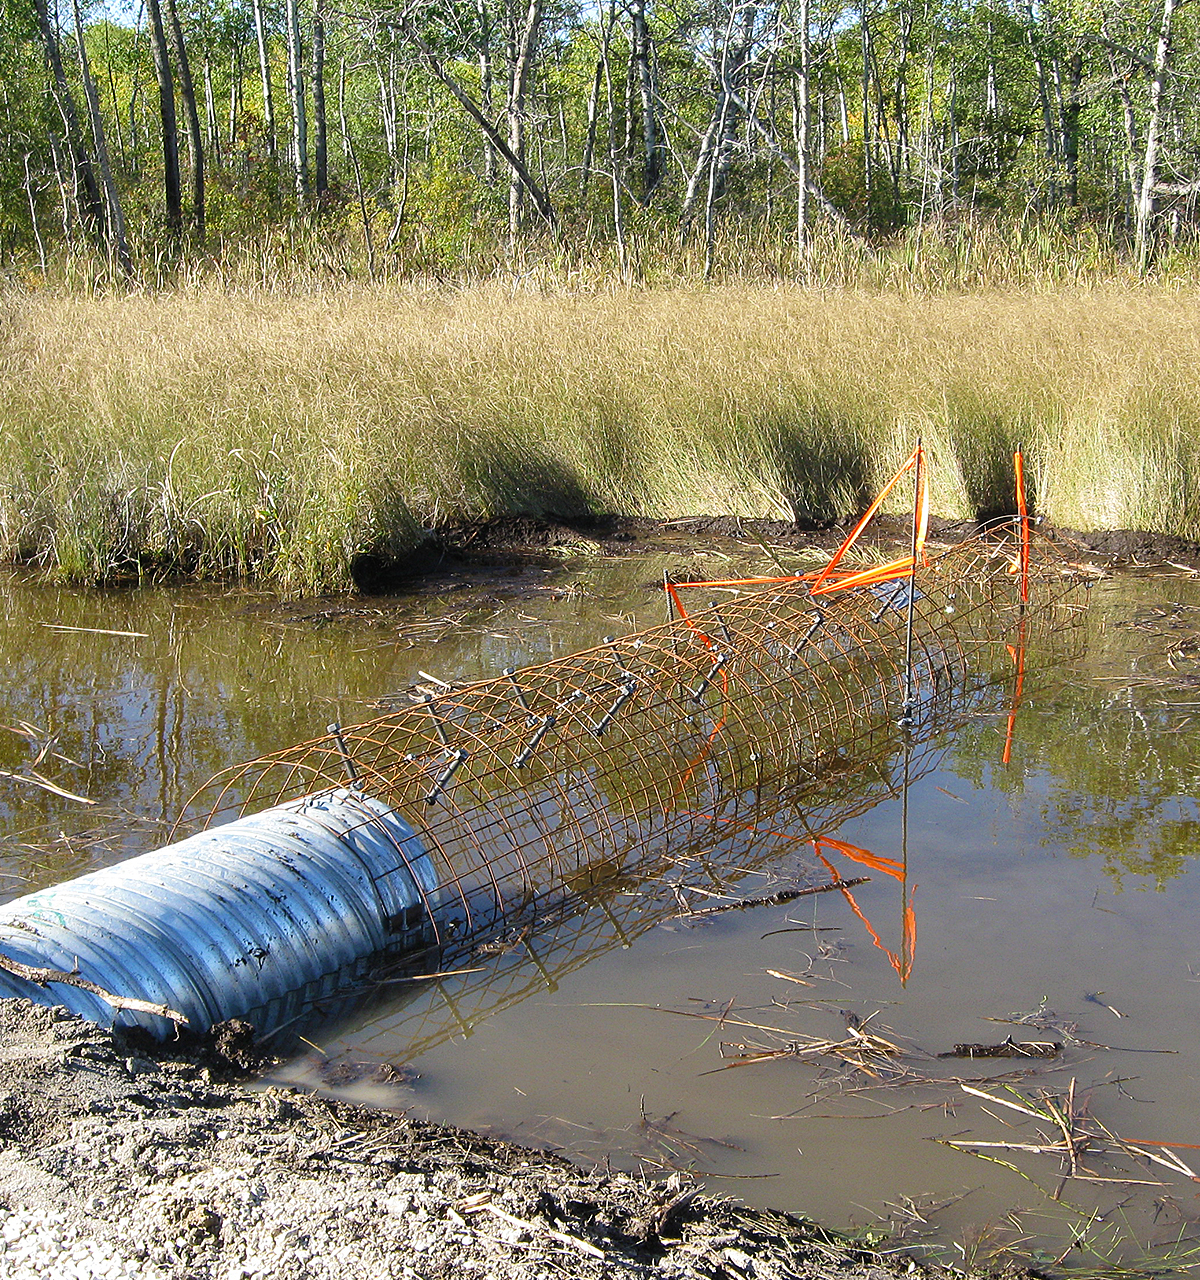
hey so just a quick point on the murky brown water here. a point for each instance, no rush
(1057, 887)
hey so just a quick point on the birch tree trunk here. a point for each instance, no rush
(643, 61)
(88, 197)
(1071, 104)
(352, 156)
(172, 188)
(299, 147)
(589, 142)
(264, 68)
(33, 218)
(235, 98)
(1129, 195)
(1142, 239)
(195, 139)
(865, 43)
(701, 167)
(614, 161)
(485, 85)
(118, 242)
(903, 111)
(803, 114)
(541, 199)
(524, 48)
(320, 132)
(1050, 134)
(212, 124)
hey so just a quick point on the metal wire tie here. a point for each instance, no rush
(522, 759)
(460, 758)
(612, 648)
(511, 673)
(622, 698)
(712, 604)
(718, 663)
(437, 724)
(347, 762)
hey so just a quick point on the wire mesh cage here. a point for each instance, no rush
(687, 739)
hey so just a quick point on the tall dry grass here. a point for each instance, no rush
(283, 435)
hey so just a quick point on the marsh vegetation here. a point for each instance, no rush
(284, 435)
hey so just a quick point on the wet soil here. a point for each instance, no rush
(165, 1165)
(461, 551)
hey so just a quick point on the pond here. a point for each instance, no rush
(792, 1051)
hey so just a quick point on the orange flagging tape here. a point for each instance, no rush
(827, 580)
(920, 516)
(1023, 514)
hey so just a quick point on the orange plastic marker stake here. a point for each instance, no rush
(1023, 517)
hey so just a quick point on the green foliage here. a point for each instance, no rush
(874, 207)
(975, 109)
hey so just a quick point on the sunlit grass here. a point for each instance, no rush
(282, 434)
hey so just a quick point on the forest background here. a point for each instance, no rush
(286, 284)
(433, 135)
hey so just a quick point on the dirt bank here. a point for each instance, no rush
(115, 1163)
(511, 541)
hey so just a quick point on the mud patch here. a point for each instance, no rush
(517, 542)
(173, 1173)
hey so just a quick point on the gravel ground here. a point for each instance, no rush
(116, 1165)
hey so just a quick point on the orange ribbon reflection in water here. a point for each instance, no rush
(1017, 654)
(902, 963)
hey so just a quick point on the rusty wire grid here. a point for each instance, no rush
(611, 906)
(687, 740)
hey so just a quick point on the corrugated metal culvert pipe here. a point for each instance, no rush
(253, 919)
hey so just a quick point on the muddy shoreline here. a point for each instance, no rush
(120, 1161)
(511, 541)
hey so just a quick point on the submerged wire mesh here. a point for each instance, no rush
(688, 738)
